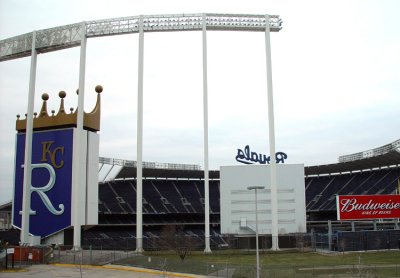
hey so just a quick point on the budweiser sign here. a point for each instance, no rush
(354, 207)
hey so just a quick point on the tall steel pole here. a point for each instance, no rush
(207, 248)
(271, 124)
(26, 191)
(139, 166)
(257, 255)
(255, 188)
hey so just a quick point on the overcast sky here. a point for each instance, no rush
(335, 68)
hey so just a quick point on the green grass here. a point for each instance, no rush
(275, 264)
(284, 258)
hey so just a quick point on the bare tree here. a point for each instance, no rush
(174, 238)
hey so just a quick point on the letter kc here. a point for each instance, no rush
(47, 151)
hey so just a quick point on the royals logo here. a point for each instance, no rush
(248, 157)
(51, 181)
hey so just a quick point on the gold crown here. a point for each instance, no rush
(91, 121)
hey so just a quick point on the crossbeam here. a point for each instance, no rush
(62, 37)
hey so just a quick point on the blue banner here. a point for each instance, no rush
(51, 186)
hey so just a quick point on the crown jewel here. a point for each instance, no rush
(42, 120)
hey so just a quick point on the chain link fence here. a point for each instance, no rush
(155, 260)
(366, 240)
(227, 269)
(123, 252)
(302, 242)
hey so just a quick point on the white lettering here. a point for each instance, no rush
(41, 190)
(349, 205)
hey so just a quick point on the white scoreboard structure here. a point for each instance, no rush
(237, 202)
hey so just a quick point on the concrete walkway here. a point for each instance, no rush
(88, 271)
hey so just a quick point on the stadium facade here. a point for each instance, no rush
(173, 199)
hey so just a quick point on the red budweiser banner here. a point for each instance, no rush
(354, 207)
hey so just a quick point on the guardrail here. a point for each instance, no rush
(149, 165)
(371, 153)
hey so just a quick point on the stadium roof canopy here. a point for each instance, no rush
(382, 157)
(385, 160)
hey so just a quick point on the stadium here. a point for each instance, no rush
(173, 195)
(181, 206)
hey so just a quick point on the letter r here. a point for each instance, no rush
(41, 191)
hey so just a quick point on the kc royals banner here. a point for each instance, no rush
(50, 191)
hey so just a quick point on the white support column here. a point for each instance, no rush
(271, 124)
(329, 235)
(26, 195)
(78, 148)
(205, 117)
(139, 166)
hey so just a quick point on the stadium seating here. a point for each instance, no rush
(322, 190)
(181, 202)
(159, 197)
(190, 196)
(162, 196)
(124, 237)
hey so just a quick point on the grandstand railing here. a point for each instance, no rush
(149, 165)
(371, 153)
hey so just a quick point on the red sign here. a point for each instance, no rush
(354, 207)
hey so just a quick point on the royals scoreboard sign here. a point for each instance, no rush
(356, 207)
